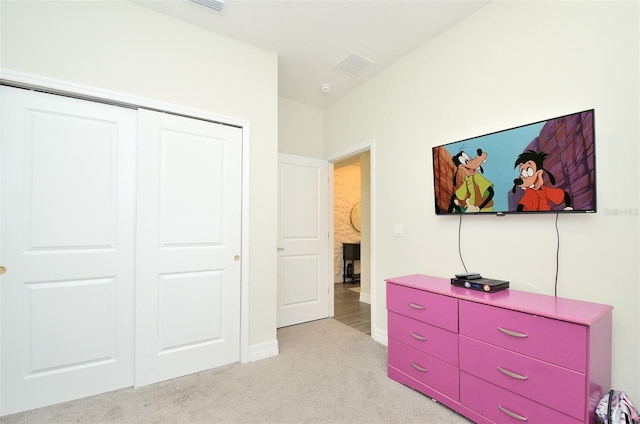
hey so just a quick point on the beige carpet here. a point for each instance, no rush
(326, 372)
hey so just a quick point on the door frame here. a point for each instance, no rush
(369, 145)
(53, 86)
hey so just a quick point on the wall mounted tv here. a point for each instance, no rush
(543, 167)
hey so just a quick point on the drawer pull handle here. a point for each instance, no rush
(418, 367)
(418, 337)
(512, 414)
(513, 374)
(416, 306)
(513, 333)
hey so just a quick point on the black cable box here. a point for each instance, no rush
(488, 285)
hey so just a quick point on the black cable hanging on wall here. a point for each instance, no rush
(460, 244)
(555, 282)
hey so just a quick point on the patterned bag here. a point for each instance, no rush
(616, 408)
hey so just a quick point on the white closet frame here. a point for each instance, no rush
(52, 86)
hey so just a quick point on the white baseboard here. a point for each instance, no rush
(380, 336)
(263, 350)
(365, 297)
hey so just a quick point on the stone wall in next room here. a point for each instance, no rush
(346, 193)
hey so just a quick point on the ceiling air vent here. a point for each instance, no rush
(353, 64)
(217, 5)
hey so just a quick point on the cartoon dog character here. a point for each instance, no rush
(537, 196)
(475, 194)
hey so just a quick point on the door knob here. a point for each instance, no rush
(236, 258)
(2, 270)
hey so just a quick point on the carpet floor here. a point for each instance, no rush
(326, 372)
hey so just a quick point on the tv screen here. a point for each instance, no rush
(543, 167)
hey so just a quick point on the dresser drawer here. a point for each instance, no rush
(558, 342)
(541, 381)
(503, 406)
(428, 338)
(441, 311)
(425, 368)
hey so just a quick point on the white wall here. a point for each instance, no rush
(300, 129)
(122, 47)
(509, 64)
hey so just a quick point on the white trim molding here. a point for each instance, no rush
(369, 145)
(263, 350)
(380, 336)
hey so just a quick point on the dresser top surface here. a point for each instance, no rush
(572, 310)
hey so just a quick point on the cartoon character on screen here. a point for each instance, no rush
(475, 193)
(537, 196)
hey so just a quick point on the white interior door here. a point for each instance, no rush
(188, 246)
(303, 240)
(67, 242)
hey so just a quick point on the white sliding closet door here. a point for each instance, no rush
(67, 242)
(188, 246)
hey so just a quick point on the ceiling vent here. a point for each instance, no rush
(353, 64)
(217, 5)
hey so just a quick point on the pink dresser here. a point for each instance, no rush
(503, 357)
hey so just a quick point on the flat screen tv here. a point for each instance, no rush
(543, 167)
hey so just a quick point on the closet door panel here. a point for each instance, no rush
(68, 228)
(188, 246)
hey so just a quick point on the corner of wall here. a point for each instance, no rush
(380, 336)
(263, 350)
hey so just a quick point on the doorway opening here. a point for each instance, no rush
(352, 241)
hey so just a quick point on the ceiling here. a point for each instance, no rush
(311, 37)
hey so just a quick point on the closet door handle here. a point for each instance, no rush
(418, 337)
(512, 374)
(416, 306)
(513, 333)
(512, 414)
(418, 367)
